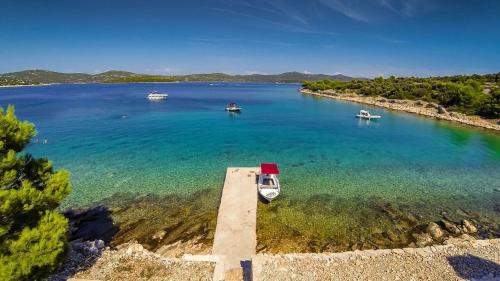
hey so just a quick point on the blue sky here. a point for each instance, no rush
(354, 37)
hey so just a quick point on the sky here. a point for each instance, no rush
(362, 38)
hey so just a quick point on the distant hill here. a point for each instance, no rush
(29, 77)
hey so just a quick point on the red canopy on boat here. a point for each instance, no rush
(267, 168)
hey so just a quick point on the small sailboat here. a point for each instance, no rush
(364, 114)
(269, 185)
(233, 107)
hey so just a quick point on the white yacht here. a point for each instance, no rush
(269, 185)
(364, 114)
(233, 107)
(157, 96)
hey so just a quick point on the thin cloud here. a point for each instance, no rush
(272, 23)
(278, 7)
(371, 10)
(238, 41)
(402, 8)
(392, 40)
(349, 9)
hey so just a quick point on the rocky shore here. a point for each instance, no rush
(428, 109)
(112, 243)
(131, 261)
(461, 258)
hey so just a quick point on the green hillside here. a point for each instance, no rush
(33, 77)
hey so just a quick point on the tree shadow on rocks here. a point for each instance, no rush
(472, 268)
(91, 224)
(90, 231)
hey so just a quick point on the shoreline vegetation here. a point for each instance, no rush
(39, 77)
(471, 100)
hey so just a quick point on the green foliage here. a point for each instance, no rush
(32, 233)
(476, 94)
(141, 79)
(29, 77)
(490, 107)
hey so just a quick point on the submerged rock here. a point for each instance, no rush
(451, 227)
(434, 230)
(159, 235)
(391, 235)
(468, 227)
(422, 239)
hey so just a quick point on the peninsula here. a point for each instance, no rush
(473, 100)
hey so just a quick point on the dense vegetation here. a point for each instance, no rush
(141, 79)
(32, 233)
(476, 94)
(33, 77)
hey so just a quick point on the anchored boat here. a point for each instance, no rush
(156, 96)
(269, 185)
(233, 107)
(364, 114)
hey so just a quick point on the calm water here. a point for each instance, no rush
(114, 141)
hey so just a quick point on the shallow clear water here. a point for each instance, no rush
(114, 141)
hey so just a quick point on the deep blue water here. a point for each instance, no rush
(113, 140)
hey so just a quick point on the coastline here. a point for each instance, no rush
(410, 106)
(28, 85)
(154, 82)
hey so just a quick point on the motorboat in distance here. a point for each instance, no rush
(364, 114)
(233, 107)
(157, 96)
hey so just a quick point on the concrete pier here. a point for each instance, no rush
(235, 236)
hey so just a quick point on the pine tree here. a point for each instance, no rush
(32, 233)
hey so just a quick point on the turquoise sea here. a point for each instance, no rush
(335, 168)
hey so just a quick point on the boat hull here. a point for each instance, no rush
(369, 117)
(156, 99)
(268, 187)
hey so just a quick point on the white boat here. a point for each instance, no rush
(233, 107)
(155, 96)
(269, 185)
(364, 114)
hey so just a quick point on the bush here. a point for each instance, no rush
(32, 232)
(490, 106)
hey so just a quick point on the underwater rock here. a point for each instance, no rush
(390, 210)
(391, 235)
(434, 230)
(422, 239)
(468, 227)
(159, 235)
(451, 227)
